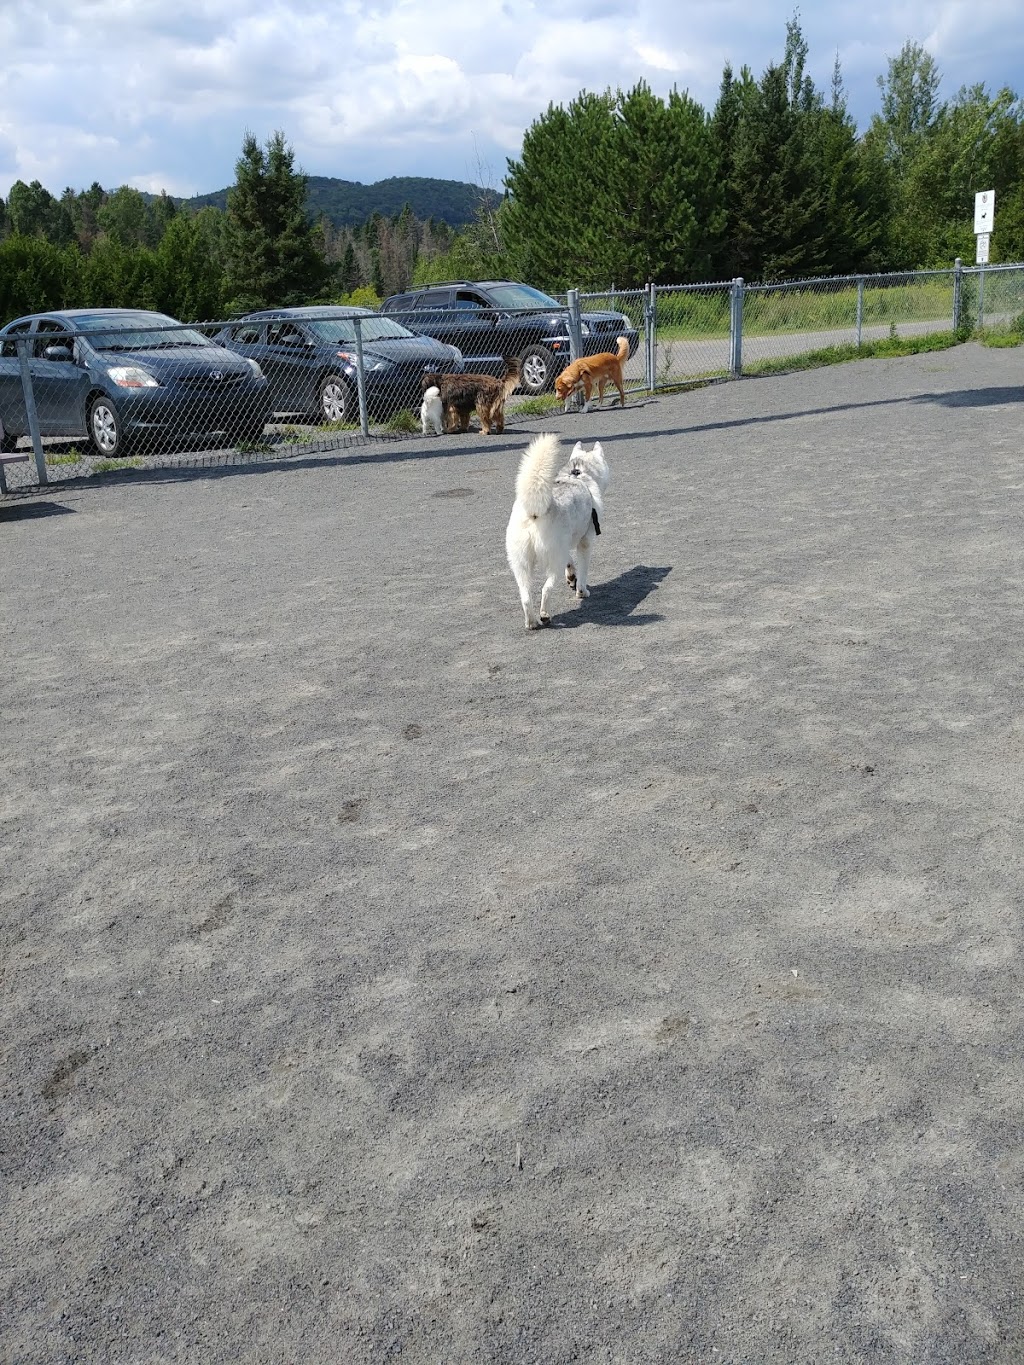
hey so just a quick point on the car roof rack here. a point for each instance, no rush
(442, 284)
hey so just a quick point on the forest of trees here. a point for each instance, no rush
(619, 187)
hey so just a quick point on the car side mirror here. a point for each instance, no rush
(58, 353)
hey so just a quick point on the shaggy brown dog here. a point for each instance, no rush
(582, 373)
(463, 394)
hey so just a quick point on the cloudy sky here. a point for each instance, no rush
(158, 93)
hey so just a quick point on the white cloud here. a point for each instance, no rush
(151, 94)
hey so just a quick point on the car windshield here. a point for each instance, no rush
(136, 332)
(520, 296)
(342, 331)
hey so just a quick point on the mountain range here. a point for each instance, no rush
(347, 203)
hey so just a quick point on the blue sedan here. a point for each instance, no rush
(128, 380)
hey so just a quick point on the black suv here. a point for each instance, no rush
(500, 318)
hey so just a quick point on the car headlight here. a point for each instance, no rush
(380, 366)
(133, 377)
(585, 328)
(457, 355)
(255, 368)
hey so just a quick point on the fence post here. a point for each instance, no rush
(651, 337)
(860, 307)
(364, 423)
(575, 325)
(23, 343)
(981, 298)
(958, 295)
(736, 328)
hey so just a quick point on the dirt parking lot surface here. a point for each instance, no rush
(384, 981)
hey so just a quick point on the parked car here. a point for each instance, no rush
(499, 318)
(309, 358)
(127, 379)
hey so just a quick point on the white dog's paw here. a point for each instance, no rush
(582, 592)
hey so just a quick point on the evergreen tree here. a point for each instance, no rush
(619, 188)
(275, 256)
(126, 218)
(36, 275)
(31, 210)
(190, 260)
(663, 179)
(554, 194)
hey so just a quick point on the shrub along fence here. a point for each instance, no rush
(85, 393)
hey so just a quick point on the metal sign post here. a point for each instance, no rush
(984, 213)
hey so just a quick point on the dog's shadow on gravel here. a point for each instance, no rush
(613, 603)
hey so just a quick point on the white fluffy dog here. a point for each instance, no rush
(555, 519)
(432, 412)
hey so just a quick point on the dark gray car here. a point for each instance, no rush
(496, 319)
(309, 358)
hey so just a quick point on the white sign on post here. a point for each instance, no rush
(981, 256)
(984, 211)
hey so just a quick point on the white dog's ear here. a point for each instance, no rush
(578, 448)
(598, 449)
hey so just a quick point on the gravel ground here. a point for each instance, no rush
(383, 980)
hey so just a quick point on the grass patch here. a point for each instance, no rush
(72, 456)
(537, 407)
(402, 422)
(112, 466)
(1000, 339)
(839, 355)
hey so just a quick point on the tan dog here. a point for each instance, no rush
(462, 394)
(582, 374)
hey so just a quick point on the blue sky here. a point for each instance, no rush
(158, 95)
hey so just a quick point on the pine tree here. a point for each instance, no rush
(663, 184)
(555, 194)
(190, 258)
(275, 256)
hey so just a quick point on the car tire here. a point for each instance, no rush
(337, 401)
(106, 430)
(536, 370)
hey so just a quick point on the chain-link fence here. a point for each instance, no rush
(83, 391)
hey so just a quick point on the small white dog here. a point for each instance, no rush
(555, 519)
(432, 412)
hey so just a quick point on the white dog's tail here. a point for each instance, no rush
(537, 471)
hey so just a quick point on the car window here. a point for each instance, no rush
(521, 296)
(249, 333)
(9, 348)
(49, 332)
(284, 334)
(470, 301)
(434, 298)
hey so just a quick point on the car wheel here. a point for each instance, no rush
(106, 431)
(337, 401)
(536, 370)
